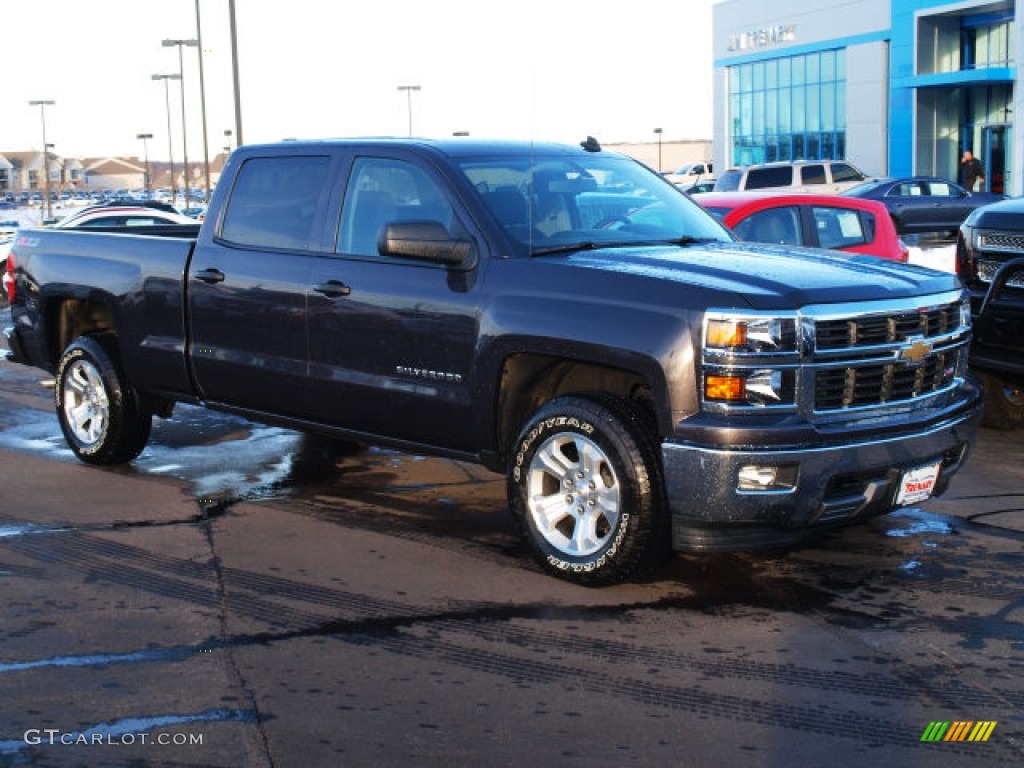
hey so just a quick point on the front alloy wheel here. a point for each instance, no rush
(573, 494)
(585, 486)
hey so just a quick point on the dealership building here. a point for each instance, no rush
(897, 87)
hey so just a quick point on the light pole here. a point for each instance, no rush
(184, 135)
(408, 97)
(145, 148)
(202, 103)
(658, 131)
(234, 73)
(170, 143)
(43, 104)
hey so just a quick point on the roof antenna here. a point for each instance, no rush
(591, 144)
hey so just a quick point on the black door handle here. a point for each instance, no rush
(210, 276)
(332, 289)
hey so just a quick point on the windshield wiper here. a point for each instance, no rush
(570, 247)
(590, 245)
(687, 240)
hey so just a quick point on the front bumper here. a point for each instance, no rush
(833, 485)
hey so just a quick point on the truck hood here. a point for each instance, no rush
(772, 276)
(1008, 215)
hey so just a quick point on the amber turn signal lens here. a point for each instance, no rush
(724, 334)
(725, 388)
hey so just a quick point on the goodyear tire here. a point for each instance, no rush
(101, 416)
(585, 486)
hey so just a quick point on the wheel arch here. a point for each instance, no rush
(68, 318)
(528, 380)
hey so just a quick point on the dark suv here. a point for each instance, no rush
(990, 262)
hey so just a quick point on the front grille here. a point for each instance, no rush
(867, 385)
(987, 273)
(873, 359)
(1001, 241)
(848, 361)
(871, 330)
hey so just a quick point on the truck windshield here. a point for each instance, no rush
(549, 204)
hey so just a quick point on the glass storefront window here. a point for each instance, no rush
(828, 109)
(799, 113)
(984, 45)
(813, 68)
(814, 121)
(789, 108)
(785, 73)
(828, 66)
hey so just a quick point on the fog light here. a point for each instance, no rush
(766, 478)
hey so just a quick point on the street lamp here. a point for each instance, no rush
(658, 131)
(43, 104)
(202, 104)
(181, 76)
(170, 144)
(408, 96)
(234, 72)
(145, 148)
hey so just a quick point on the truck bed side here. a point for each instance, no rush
(127, 284)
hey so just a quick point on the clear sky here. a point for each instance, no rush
(543, 69)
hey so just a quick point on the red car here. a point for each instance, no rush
(816, 221)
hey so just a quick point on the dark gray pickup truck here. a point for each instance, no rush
(990, 261)
(559, 314)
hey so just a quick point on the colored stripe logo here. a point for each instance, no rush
(959, 730)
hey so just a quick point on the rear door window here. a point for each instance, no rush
(762, 178)
(773, 225)
(813, 174)
(275, 201)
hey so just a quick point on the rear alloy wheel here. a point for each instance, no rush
(585, 487)
(100, 415)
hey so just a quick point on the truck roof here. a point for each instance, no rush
(453, 147)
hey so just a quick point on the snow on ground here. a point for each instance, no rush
(940, 256)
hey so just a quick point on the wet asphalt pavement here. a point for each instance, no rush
(244, 596)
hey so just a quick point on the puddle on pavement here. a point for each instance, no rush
(913, 522)
(217, 454)
(10, 531)
(105, 659)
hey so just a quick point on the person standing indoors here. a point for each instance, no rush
(972, 171)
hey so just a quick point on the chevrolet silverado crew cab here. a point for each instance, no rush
(990, 261)
(559, 314)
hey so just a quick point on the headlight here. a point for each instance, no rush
(750, 335)
(750, 360)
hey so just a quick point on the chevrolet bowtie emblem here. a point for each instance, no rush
(918, 350)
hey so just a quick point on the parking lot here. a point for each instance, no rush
(242, 595)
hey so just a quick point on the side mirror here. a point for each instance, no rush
(425, 241)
